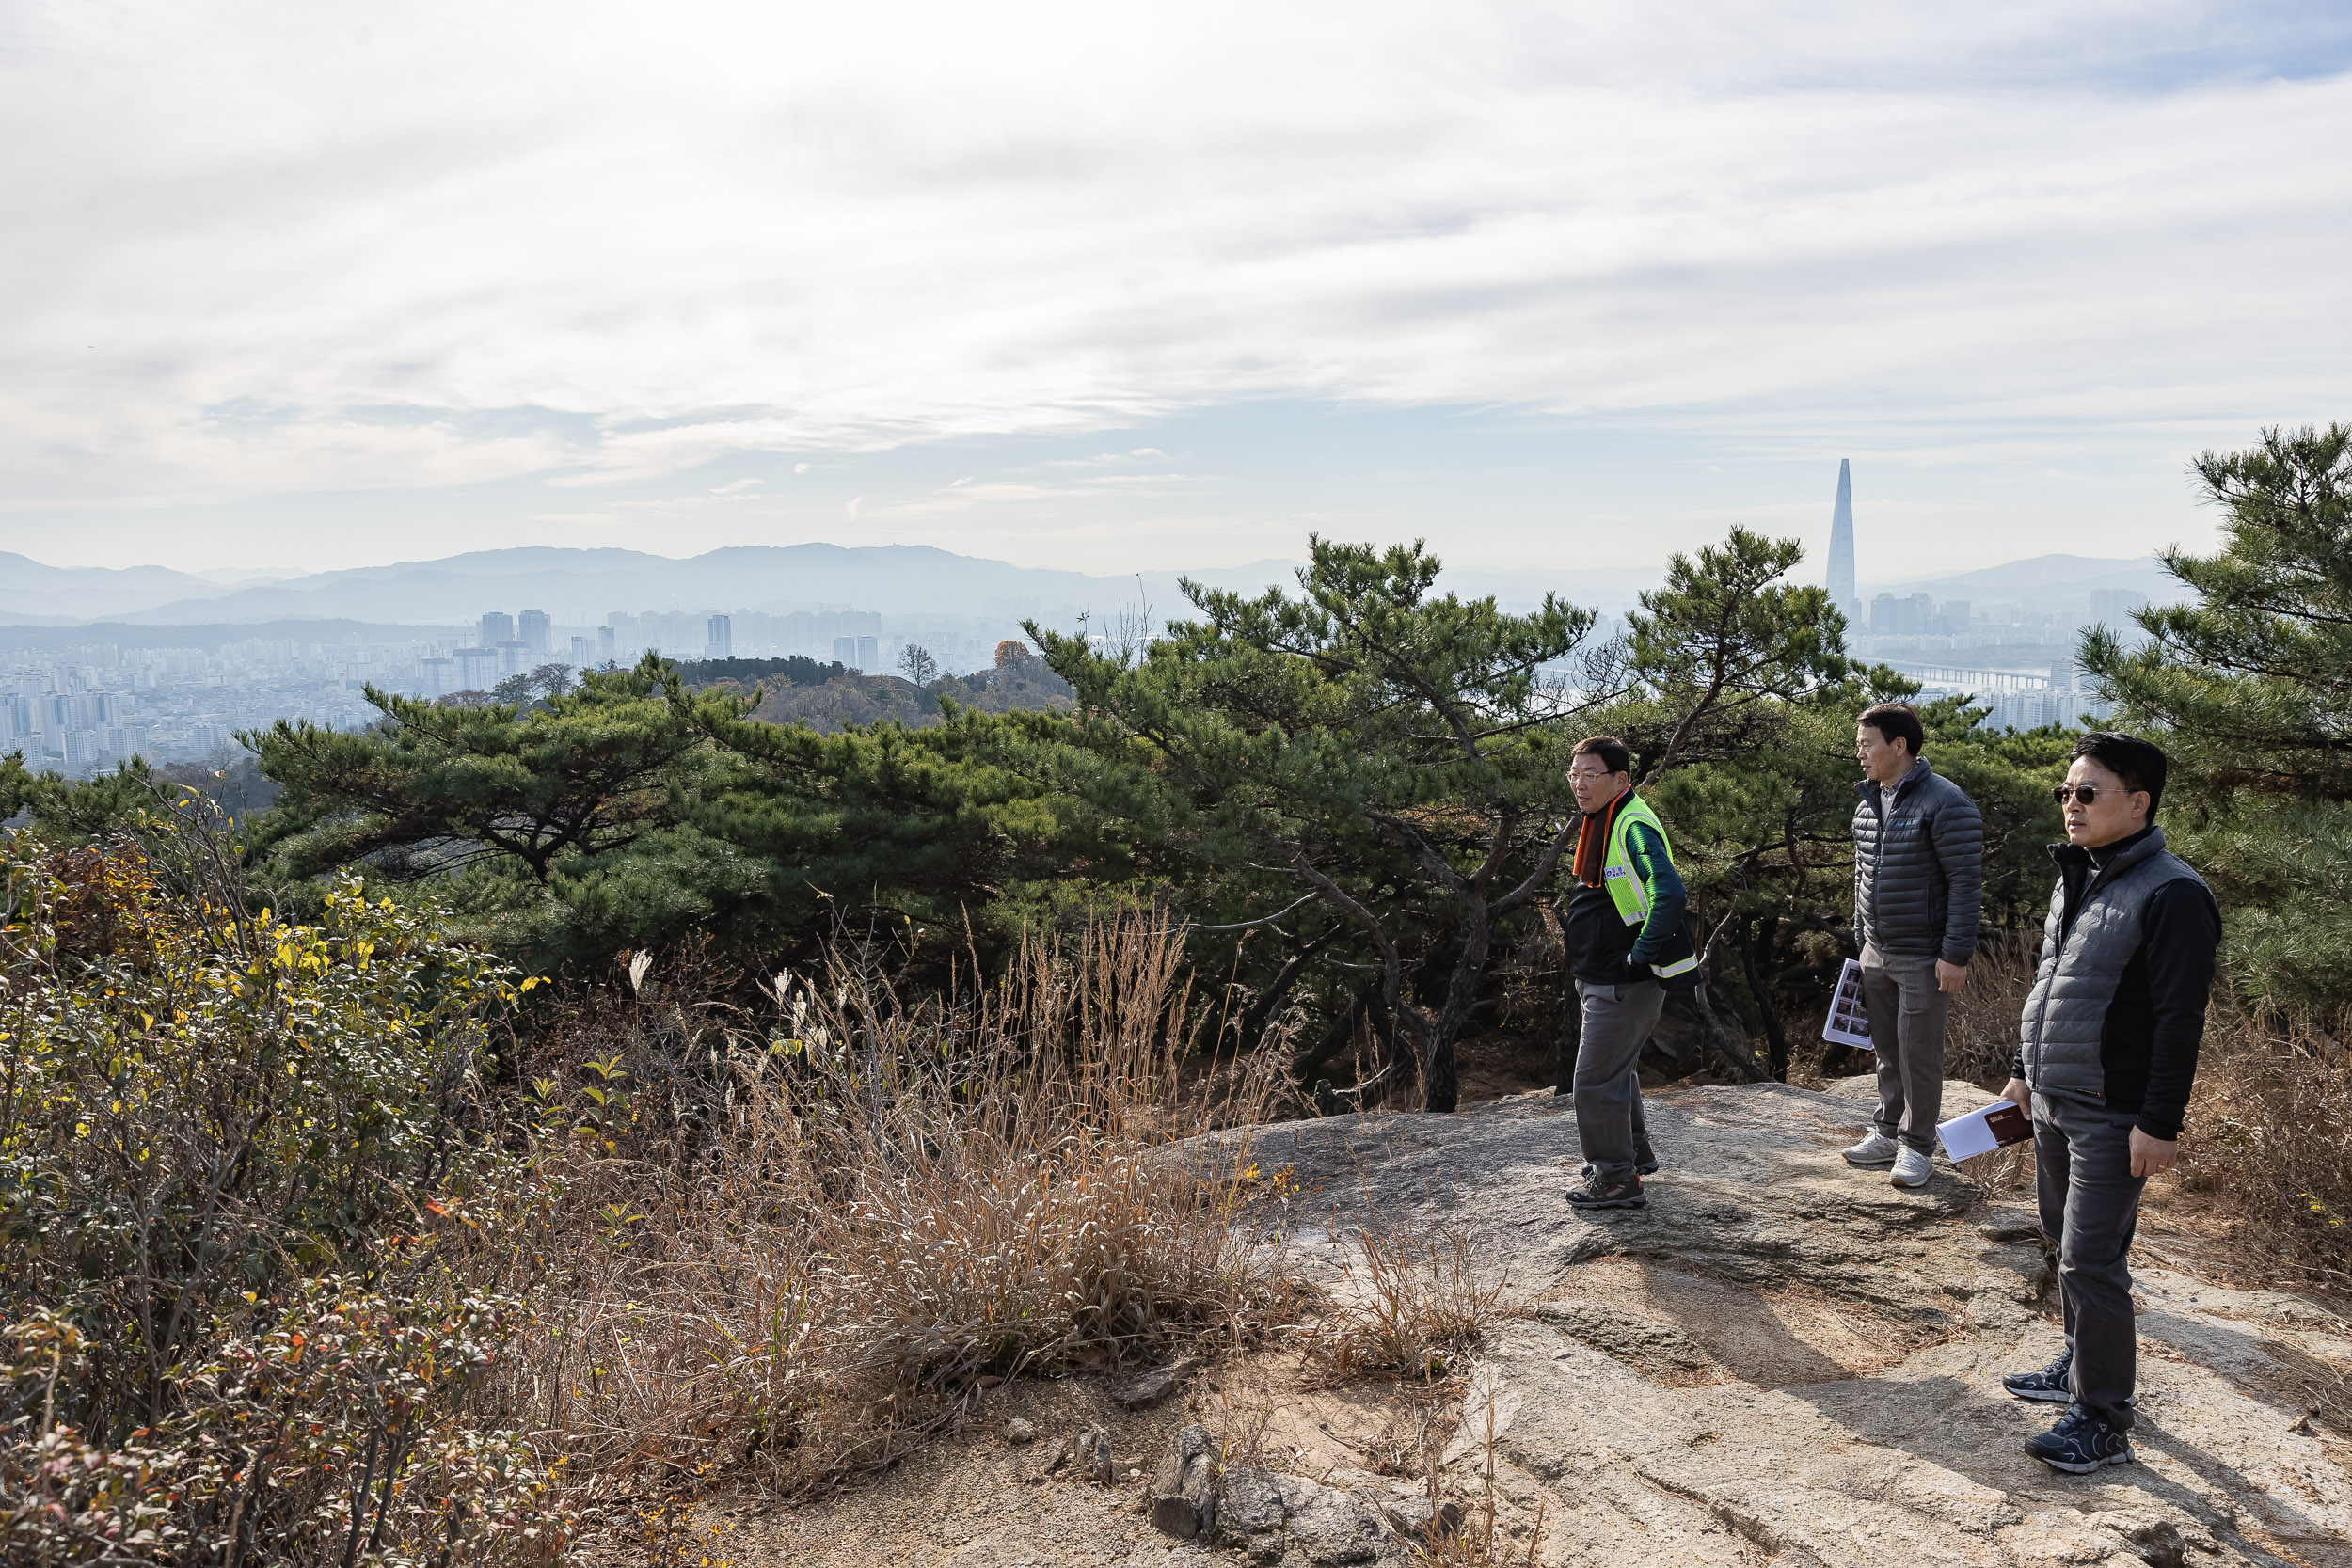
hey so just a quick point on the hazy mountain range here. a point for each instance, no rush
(582, 586)
(2044, 577)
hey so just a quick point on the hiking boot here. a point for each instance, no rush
(2081, 1443)
(1619, 1194)
(2048, 1384)
(1876, 1149)
(1913, 1168)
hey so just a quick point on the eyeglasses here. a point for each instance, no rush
(2082, 794)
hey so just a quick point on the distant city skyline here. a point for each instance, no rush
(84, 698)
(184, 665)
(1082, 288)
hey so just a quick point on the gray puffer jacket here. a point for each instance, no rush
(1918, 878)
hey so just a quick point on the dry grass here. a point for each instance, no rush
(1404, 1305)
(1474, 1541)
(2269, 1138)
(883, 1209)
(1981, 1041)
(2005, 1173)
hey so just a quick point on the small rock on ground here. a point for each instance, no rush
(1155, 1384)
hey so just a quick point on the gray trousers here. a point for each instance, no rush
(1608, 1120)
(1907, 1015)
(2082, 1157)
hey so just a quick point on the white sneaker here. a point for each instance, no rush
(1913, 1168)
(1876, 1149)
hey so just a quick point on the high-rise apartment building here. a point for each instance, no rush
(477, 669)
(54, 715)
(2113, 606)
(607, 645)
(1915, 615)
(497, 627)
(534, 627)
(514, 656)
(869, 655)
(845, 653)
(719, 641)
(583, 652)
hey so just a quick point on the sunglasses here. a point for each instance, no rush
(2082, 794)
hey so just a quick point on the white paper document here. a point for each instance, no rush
(1997, 1124)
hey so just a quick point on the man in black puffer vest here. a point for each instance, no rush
(1918, 852)
(2106, 1053)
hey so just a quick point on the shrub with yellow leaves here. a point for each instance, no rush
(242, 1163)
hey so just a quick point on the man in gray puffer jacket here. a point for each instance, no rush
(1919, 881)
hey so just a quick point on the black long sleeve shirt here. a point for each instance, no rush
(2157, 1020)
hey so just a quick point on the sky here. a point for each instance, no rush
(1118, 287)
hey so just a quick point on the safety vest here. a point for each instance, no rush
(1624, 885)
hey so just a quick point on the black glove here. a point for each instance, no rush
(1633, 971)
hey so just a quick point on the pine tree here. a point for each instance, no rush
(433, 788)
(2249, 688)
(1393, 753)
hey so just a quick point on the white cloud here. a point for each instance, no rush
(692, 230)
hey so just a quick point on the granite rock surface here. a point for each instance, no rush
(1784, 1360)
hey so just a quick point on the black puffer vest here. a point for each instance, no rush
(2081, 964)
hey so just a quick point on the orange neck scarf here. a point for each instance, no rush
(1592, 840)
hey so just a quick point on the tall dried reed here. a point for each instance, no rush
(1981, 1041)
(2270, 1137)
(890, 1206)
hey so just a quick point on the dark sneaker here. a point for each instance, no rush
(2081, 1443)
(2047, 1384)
(1622, 1195)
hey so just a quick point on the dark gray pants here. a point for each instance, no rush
(1907, 1015)
(2082, 1157)
(1608, 1120)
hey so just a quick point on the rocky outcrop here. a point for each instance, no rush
(1783, 1360)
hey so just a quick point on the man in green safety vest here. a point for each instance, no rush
(1627, 946)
